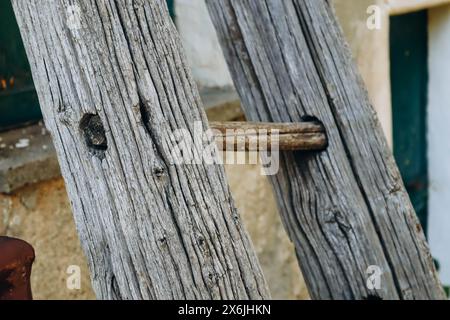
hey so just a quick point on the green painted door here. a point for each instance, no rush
(409, 77)
(171, 6)
(18, 99)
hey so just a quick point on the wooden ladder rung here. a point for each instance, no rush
(258, 136)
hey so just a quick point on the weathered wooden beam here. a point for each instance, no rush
(260, 136)
(113, 86)
(346, 208)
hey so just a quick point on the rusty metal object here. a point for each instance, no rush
(16, 259)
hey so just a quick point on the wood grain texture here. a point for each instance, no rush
(113, 85)
(259, 136)
(346, 208)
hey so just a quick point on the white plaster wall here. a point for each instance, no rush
(201, 44)
(439, 138)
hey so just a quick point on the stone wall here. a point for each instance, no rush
(41, 215)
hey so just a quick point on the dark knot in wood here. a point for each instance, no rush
(94, 134)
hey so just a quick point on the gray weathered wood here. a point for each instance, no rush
(113, 85)
(345, 209)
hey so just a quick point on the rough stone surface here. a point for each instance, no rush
(27, 156)
(41, 215)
